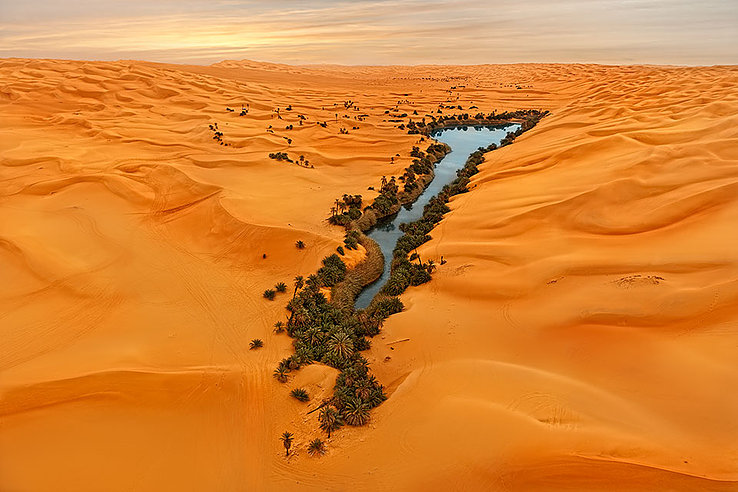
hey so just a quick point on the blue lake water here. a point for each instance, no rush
(463, 142)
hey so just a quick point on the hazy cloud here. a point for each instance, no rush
(374, 31)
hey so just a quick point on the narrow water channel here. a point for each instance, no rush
(463, 141)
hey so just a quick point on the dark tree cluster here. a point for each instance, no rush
(332, 271)
(346, 209)
(351, 240)
(217, 134)
(280, 156)
(270, 294)
(404, 271)
(387, 200)
(330, 335)
(333, 335)
(463, 119)
(422, 164)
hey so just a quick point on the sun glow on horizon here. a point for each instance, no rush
(375, 32)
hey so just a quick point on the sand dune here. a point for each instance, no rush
(582, 335)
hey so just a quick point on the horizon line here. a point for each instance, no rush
(374, 65)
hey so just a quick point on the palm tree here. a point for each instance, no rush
(299, 319)
(300, 394)
(314, 336)
(269, 294)
(256, 343)
(287, 439)
(356, 412)
(341, 345)
(299, 282)
(300, 244)
(363, 389)
(316, 447)
(313, 283)
(280, 287)
(279, 327)
(280, 374)
(330, 420)
(431, 266)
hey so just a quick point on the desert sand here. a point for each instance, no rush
(583, 334)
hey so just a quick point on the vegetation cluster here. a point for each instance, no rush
(433, 123)
(333, 332)
(280, 156)
(346, 210)
(325, 333)
(404, 271)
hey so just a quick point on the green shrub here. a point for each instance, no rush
(280, 374)
(332, 271)
(351, 240)
(385, 307)
(300, 394)
(356, 412)
(316, 447)
(340, 220)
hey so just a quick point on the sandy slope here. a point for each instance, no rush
(582, 334)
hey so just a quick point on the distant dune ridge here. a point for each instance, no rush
(583, 334)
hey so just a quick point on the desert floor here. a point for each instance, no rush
(582, 336)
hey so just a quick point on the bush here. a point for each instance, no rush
(342, 220)
(281, 287)
(316, 447)
(351, 240)
(333, 270)
(340, 250)
(300, 394)
(385, 307)
(280, 156)
(384, 204)
(280, 374)
(356, 412)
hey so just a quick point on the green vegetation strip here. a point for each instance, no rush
(334, 333)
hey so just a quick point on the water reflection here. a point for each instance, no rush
(462, 143)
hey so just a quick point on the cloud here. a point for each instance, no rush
(374, 31)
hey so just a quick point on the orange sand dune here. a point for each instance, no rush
(582, 336)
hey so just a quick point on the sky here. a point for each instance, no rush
(374, 32)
